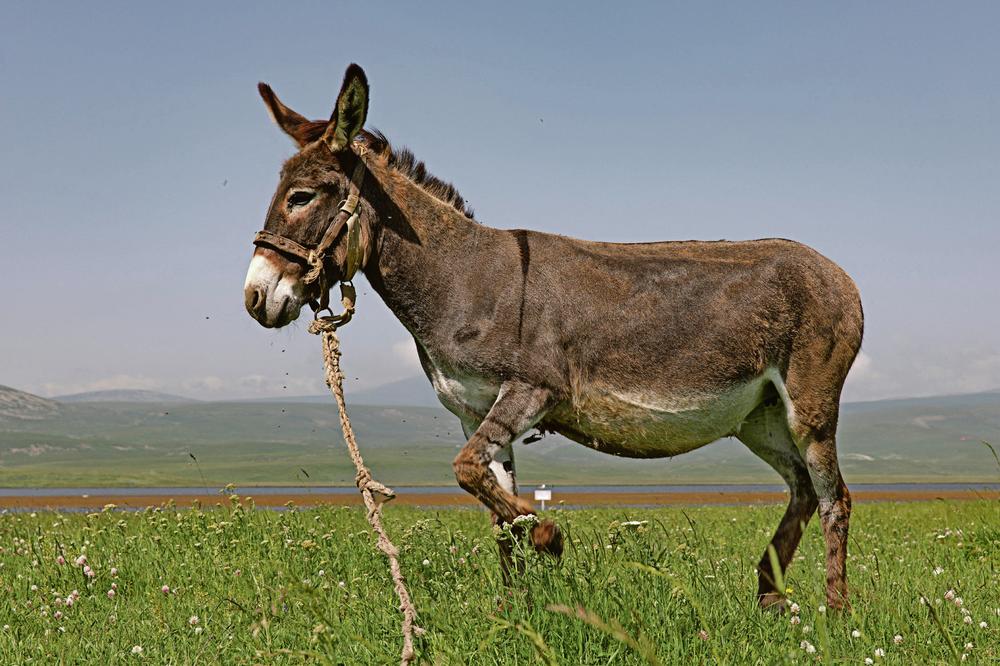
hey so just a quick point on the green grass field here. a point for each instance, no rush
(249, 586)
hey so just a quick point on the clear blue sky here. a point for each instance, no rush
(137, 162)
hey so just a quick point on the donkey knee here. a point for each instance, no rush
(468, 472)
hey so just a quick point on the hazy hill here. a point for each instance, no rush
(21, 405)
(123, 395)
(135, 443)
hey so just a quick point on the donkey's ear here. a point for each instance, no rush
(289, 121)
(352, 108)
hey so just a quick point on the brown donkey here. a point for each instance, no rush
(642, 350)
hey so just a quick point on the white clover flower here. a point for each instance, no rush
(795, 619)
(821, 608)
(938, 571)
(808, 647)
(869, 661)
(136, 649)
(426, 562)
(879, 652)
(949, 595)
(197, 630)
(897, 639)
(983, 625)
(967, 619)
(856, 634)
(968, 646)
(959, 602)
(794, 608)
(193, 621)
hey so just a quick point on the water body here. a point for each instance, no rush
(437, 490)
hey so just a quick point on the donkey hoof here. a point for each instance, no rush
(546, 537)
(772, 602)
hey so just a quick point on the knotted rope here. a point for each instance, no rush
(373, 492)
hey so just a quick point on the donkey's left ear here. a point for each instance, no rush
(352, 108)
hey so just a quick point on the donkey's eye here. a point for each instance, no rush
(300, 198)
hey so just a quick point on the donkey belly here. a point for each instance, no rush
(652, 425)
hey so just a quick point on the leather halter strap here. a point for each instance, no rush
(316, 257)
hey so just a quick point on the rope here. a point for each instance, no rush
(373, 492)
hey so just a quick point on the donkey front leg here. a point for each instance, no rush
(480, 466)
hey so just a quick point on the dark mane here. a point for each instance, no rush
(402, 160)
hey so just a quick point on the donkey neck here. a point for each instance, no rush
(417, 244)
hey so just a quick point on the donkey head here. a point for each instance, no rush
(313, 185)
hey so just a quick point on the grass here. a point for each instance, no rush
(251, 586)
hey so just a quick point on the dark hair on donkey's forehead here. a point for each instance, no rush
(401, 160)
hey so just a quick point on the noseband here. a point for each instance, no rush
(316, 257)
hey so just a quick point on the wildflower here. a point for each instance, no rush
(34, 588)
(869, 661)
(703, 635)
(983, 625)
(321, 573)
(342, 585)
(968, 647)
(80, 561)
(69, 601)
(426, 562)
(968, 619)
(897, 639)
(938, 571)
(879, 652)
(794, 608)
(114, 586)
(114, 571)
(958, 601)
(795, 619)
(111, 594)
(821, 609)
(949, 595)
(806, 629)
(60, 560)
(808, 647)
(452, 549)
(193, 621)
(136, 649)
(855, 634)
(197, 630)
(165, 589)
(57, 615)
(238, 572)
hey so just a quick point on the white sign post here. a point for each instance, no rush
(543, 495)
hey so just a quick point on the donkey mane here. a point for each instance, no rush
(400, 159)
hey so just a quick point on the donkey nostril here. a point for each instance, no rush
(254, 299)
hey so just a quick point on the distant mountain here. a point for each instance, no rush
(21, 405)
(124, 395)
(412, 392)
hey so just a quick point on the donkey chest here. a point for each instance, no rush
(467, 396)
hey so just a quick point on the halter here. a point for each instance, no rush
(316, 257)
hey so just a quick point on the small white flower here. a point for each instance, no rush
(869, 661)
(879, 652)
(197, 630)
(967, 620)
(342, 585)
(897, 639)
(794, 608)
(938, 571)
(821, 609)
(983, 625)
(856, 634)
(80, 561)
(426, 562)
(806, 629)
(968, 646)
(193, 620)
(958, 601)
(794, 619)
(808, 647)
(949, 595)
(136, 649)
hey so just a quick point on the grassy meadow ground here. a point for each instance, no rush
(233, 585)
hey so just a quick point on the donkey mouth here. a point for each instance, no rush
(273, 314)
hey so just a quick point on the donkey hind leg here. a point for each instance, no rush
(765, 432)
(814, 393)
(481, 465)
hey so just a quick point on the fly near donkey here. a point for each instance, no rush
(642, 350)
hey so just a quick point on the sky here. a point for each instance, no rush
(137, 161)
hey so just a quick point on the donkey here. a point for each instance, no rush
(642, 350)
